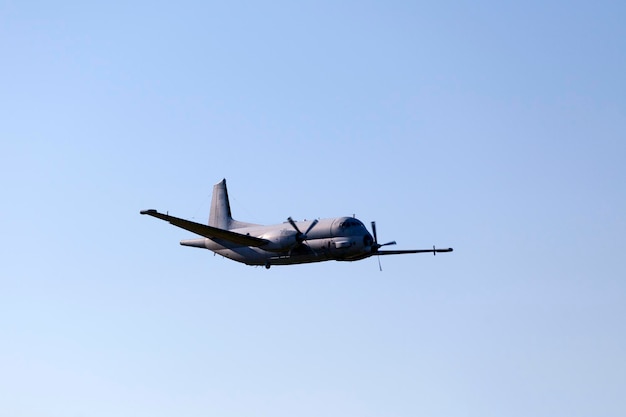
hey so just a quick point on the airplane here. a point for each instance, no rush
(339, 238)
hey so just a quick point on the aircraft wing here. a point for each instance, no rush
(402, 252)
(208, 231)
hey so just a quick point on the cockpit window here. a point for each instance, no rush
(349, 223)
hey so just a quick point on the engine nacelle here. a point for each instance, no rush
(280, 240)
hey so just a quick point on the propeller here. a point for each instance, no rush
(301, 237)
(376, 245)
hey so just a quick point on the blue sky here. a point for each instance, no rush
(497, 129)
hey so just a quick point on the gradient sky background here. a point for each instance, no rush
(497, 129)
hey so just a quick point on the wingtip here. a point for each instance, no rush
(442, 250)
(151, 211)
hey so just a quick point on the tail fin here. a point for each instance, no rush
(220, 207)
(220, 215)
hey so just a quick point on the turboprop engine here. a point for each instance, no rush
(285, 239)
(280, 240)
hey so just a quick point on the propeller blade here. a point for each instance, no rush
(374, 233)
(293, 224)
(310, 227)
(376, 246)
(393, 242)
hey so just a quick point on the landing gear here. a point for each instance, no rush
(267, 265)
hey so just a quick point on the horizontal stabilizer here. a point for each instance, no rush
(208, 231)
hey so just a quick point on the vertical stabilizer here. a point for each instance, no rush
(220, 215)
(220, 207)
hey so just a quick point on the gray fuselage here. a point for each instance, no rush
(341, 239)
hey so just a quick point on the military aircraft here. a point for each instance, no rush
(339, 239)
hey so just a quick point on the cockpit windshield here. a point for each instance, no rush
(347, 226)
(350, 223)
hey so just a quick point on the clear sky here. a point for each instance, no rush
(498, 129)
